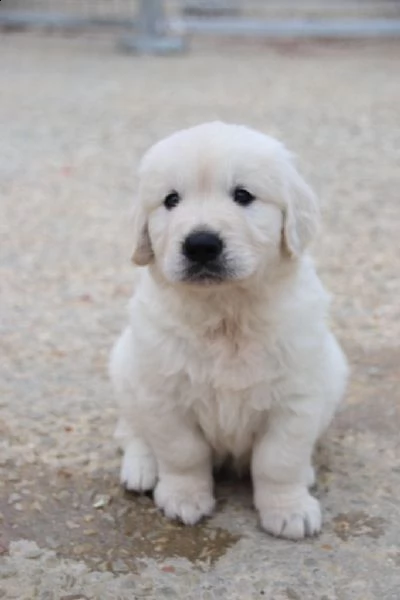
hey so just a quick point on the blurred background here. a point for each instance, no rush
(251, 18)
(85, 88)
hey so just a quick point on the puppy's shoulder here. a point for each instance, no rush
(301, 301)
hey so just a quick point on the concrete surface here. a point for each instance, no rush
(75, 116)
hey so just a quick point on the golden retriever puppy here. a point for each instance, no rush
(228, 351)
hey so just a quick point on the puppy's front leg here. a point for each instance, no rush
(185, 486)
(281, 467)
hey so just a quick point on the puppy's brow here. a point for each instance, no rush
(203, 174)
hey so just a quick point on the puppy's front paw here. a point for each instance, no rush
(184, 498)
(139, 468)
(291, 513)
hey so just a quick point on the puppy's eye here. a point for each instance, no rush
(171, 200)
(242, 196)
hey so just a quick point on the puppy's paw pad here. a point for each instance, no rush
(138, 471)
(189, 506)
(293, 521)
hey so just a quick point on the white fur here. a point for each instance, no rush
(246, 368)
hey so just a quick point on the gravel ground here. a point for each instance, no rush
(75, 116)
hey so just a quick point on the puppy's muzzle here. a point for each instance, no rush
(203, 251)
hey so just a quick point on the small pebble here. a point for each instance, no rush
(101, 500)
(63, 495)
(7, 571)
(51, 543)
(33, 553)
(14, 498)
(26, 549)
(72, 525)
(89, 532)
(88, 518)
(13, 478)
(80, 549)
(168, 569)
(119, 566)
(109, 518)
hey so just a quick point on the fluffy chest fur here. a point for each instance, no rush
(224, 363)
(223, 375)
(229, 396)
(229, 422)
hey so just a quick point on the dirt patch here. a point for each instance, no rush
(356, 524)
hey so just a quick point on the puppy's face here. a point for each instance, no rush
(220, 203)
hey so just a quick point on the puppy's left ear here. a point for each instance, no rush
(142, 248)
(301, 214)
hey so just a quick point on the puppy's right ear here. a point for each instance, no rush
(142, 249)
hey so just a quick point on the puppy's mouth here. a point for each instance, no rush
(208, 274)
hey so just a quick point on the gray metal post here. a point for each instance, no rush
(151, 36)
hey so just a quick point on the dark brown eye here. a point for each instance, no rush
(171, 200)
(242, 196)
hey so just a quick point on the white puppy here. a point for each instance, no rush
(228, 352)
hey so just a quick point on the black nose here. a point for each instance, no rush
(202, 246)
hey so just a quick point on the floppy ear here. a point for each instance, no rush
(301, 214)
(142, 249)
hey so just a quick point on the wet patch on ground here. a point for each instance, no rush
(94, 520)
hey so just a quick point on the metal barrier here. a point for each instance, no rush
(144, 19)
(343, 19)
(157, 26)
(67, 14)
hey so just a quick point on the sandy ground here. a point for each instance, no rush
(75, 116)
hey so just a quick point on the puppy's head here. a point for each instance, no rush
(220, 203)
